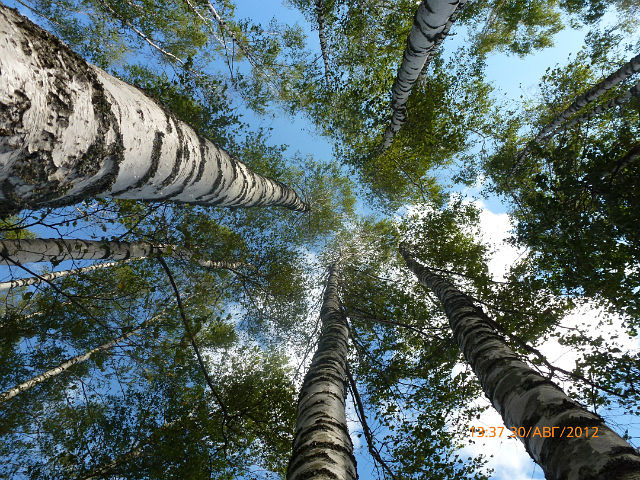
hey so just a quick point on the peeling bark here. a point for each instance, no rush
(431, 24)
(70, 131)
(322, 447)
(526, 399)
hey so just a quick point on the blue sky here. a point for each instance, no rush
(512, 77)
(515, 79)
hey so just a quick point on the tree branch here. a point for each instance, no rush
(192, 340)
(365, 426)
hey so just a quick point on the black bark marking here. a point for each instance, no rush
(57, 60)
(177, 162)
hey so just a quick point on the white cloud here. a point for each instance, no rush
(509, 458)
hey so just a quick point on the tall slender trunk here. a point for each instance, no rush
(619, 101)
(323, 41)
(63, 367)
(422, 78)
(595, 92)
(57, 250)
(322, 447)
(47, 277)
(431, 24)
(526, 399)
(602, 87)
(70, 131)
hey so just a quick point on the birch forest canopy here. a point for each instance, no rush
(356, 321)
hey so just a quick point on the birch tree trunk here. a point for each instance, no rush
(70, 131)
(323, 41)
(63, 367)
(620, 101)
(624, 72)
(322, 447)
(526, 399)
(57, 250)
(47, 277)
(595, 92)
(431, 24)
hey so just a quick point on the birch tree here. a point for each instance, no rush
(322, 446)
(526, 399)
(432, 23)
(66, 365)
(575, 194)
(324, 49)
(591, 95)
(70, 131)
(48, 277)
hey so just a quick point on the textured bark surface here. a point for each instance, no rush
(526, 399)
(47, 277)
(620, 101)
(70, 131)
(57, 250)
(322, 447)
(423, 72)
(431, 24)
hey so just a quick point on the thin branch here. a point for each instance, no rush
(365, 426)
(150, 41)
(192, 340)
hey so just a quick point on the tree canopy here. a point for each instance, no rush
(187, 360)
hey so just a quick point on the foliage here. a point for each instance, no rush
(144, 406)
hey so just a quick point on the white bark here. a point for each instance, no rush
(615, 102)
(595, 92)
(25, 282)
(322, 447)
(47, 277)
(431, 24)
(70, 131)
(63, 367)
(526, 399)
(56, 250)
(323, 42)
